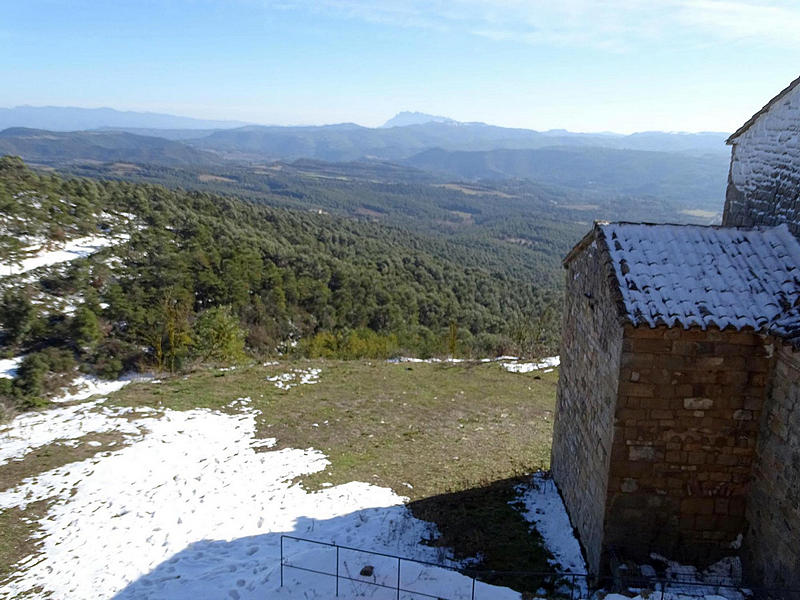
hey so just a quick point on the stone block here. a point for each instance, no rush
(641, 453)
(653, 346)
(675, 456)
(721, 506)
(696, 458)
(714, 362)
(697, 506)
(637, 389)
(704, 522)
(698, 403)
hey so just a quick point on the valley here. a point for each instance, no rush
(208, 347)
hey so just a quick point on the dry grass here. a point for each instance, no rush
(454, 438)
(56, 455)
(17, 535)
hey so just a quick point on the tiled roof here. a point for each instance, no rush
(787, 326)
(695, 276)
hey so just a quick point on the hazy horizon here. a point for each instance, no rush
(237, 123)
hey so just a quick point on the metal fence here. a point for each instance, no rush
(563, 586)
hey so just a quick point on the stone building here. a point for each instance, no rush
(764, 178)
(677, 425)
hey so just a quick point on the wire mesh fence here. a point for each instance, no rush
(390, 576)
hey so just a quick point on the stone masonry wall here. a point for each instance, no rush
(764, 178)
(685, 436)
(772, 543)
(586, 398)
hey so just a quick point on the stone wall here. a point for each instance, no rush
(772, 543)
(586, 398)
(764, 178)
(685, 436)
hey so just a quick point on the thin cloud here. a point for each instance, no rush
(610, 24)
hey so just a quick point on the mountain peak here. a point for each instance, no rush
(405, 118)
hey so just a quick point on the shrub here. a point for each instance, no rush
(17, 315)
(42, 372)
(218, 336)
(86, 328)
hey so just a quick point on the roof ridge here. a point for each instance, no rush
(763, 110)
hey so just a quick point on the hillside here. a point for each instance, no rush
(180, 266)
(59, 148)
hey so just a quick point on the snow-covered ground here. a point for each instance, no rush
(33, 430)
(192, 504)
(192, 507)
(70, 250)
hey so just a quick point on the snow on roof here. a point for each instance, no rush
(788, 327)
(763, 110)
(699, 276)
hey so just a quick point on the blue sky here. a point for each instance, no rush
(583, 65)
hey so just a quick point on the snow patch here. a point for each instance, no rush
(544, 509)
(86, 386)
(77, 248)
(33, 430)
(295, 377)
(548, 364)
(9, 366)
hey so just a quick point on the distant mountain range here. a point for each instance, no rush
(70, 118)
(405, 118)
(686, 167)
(347, 141)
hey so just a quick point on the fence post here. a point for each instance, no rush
(473, 587)
(398, 578)
(572, 589)
(281, 561)
(337, 571)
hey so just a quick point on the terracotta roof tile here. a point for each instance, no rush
(695, 276)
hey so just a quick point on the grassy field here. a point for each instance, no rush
(455, 438)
